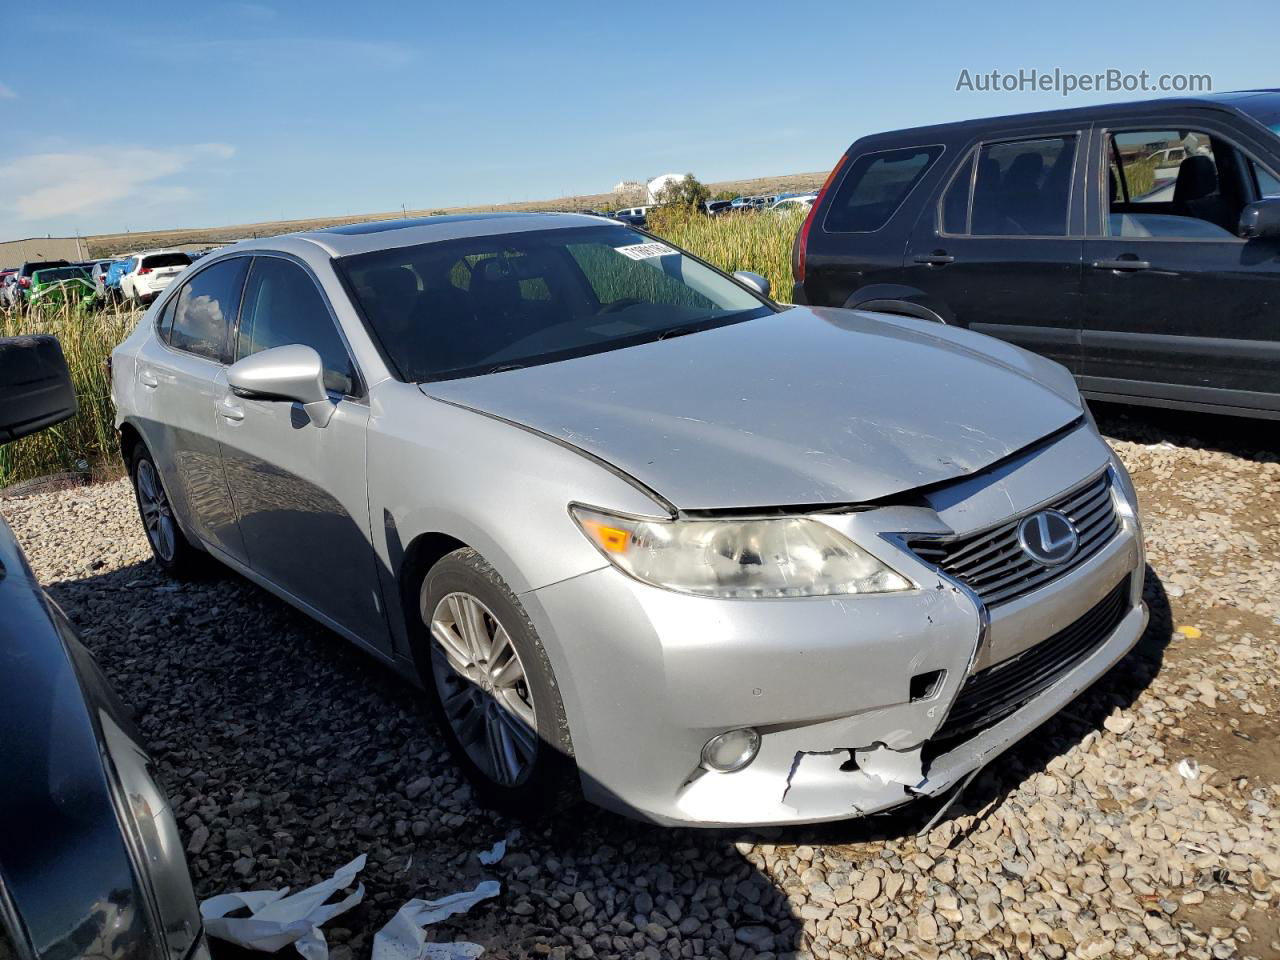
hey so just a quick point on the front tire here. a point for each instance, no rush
(170, 547)
(492, 687)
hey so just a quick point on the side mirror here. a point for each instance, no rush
(35, 386)
(753, 280)
(1261, 220)
(293, 373)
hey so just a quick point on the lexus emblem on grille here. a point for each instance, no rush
(1048, 537)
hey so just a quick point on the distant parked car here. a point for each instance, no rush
(789, 204)
(19, 288)
(99, 276)
(149, 273)
(717, 206)
(632, 216)
(61, 285)
(91, 862)
(1052, 231)
(111, 280)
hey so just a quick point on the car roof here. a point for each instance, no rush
(1229, 100)
(342, 241)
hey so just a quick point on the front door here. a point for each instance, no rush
(299, 490)
(1001, 250)
(181, 373)
(1178, 307)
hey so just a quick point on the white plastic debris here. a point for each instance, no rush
(403, 938)
(1188, 769)
(278, 920)
(494, 854)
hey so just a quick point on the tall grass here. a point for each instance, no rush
(86, 442)
(757, 241)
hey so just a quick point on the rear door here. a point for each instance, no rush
(299, 490)
(878, 189)
(1002, 246)
(1178, 307)
(181, 374)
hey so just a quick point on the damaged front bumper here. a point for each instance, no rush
(846, 693)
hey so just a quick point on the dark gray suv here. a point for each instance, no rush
(1138, 244)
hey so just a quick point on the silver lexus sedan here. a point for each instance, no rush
(638, 531)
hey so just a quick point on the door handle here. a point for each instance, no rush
(230, 409)
(1122, 264)
(935, 259)
(148, 379)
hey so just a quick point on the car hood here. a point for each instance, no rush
(806, 407)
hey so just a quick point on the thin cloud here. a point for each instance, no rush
(61, 184)
(6, 92)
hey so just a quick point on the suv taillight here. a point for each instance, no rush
(24, 281)
(802, 238)
(142, 270)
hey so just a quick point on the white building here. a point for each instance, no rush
(654, 188)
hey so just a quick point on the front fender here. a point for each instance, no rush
(437, 468)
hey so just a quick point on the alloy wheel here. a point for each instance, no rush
(157, 516)
(483, 688)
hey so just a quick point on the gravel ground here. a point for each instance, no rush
(287, 752)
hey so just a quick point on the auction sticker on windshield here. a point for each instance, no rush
(645, 251)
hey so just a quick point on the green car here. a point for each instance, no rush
(61, 286)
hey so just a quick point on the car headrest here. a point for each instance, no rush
(1197, 178)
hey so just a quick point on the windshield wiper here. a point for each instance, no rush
(677, 332)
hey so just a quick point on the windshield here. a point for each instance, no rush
(477, 305)
(61, 273)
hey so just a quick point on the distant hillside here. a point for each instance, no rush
(110, 244)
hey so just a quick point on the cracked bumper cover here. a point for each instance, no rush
(648, 675)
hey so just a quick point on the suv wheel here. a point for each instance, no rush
(169, 545)
(493, 689)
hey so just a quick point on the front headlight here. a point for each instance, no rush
(783, 557)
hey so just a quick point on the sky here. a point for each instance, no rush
(145, 116)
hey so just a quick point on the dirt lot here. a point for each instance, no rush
(286, 752)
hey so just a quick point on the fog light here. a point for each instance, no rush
(727, 752)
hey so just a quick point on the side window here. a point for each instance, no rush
(282, 306)
(206, 309)
(1167, 183)
(1023, 188)
(1266, 182)
(164, 326)
(875, 186)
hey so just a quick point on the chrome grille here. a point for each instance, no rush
(994, 565)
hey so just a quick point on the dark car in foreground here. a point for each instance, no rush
(91, 863)
(1138, 244)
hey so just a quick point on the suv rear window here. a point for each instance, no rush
(166, 260)
(875, 186)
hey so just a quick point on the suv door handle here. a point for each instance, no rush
(1122, 264)
(935, 259)
(148, 379)
(230, 409)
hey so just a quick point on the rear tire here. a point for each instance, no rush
(170, 547)
(492, 688)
